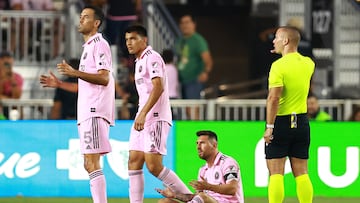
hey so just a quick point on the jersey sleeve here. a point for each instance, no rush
(230, 170)
(275, 77)
(102, 56)
(155, 66)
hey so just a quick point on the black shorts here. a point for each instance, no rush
(289, 140)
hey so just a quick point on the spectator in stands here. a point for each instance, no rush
(194, 61)
(172, 73)
(355, 116)
(11, 83)
(313, 110)
(65, 102)
(120, 15)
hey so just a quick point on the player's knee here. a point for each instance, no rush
(136, 161)
(154, 168)
(89, 166)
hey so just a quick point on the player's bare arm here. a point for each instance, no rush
(206, 57)
(168, 193)
(272, 105)
(100, 78)
(154, 96)
(52, 81)
(226, 189)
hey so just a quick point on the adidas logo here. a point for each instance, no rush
(88, 147)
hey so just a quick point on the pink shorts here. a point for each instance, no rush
(152, 139)
(94, 136)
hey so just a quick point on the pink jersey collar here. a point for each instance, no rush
(145, 50)
(92, 39)
(216, 161)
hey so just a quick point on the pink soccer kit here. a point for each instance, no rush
(96, 109)
(148, 66)
(158, 120)
(224, 170)
(95, 101)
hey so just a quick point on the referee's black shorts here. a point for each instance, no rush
(288, 141)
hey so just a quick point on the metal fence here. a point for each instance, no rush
(213, 109)
(34, 37)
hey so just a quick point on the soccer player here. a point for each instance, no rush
(219, 180)
(96, 97)
(287, 131)
(147, 143)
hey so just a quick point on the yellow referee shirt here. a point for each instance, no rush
(292, 72)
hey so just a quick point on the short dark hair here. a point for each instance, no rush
(139, 29)
(208, 133)
(168, 55)
(188, 14)
(98, 13)
(4, 54)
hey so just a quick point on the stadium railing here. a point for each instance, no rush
(209, 109)
(34, 37)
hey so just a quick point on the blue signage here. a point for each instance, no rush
(42, 159)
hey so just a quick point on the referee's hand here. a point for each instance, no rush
(268, 135)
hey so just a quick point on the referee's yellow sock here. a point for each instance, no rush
(304, 189)
(276, 188)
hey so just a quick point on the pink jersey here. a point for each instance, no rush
(148, 66)
(96, 100)
(173, 78)
(224, 170)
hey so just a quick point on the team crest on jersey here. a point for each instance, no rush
(155, 65)
(85, 55)
(102, 56)
(216, 175)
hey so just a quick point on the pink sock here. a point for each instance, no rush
(136, 186)
(171, 180)
(98, 186)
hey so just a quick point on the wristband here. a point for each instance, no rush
(270, 126)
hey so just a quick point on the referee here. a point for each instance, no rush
(287, 131)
